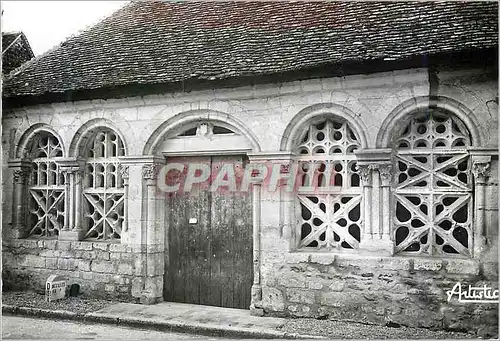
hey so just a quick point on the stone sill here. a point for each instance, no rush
(406, 263)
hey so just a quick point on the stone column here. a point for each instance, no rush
(365, 172)
(21, 172)
(125, 176)
(481, 172)
(256, 286)
(72, 170)
(155, 245)
(267, 168)
(385, 172)
(376, 174)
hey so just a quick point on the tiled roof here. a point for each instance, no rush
(15, 51)
(156, 42)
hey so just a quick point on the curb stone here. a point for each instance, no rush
(171, 326)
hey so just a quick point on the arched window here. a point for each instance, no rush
(433, 186)
(103, 187)
(46, 186)
(329, 192)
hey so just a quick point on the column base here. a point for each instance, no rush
(19, 233)
(384, 247)
(254, 311)
(479, 245)
(148, 299)
(71, 235)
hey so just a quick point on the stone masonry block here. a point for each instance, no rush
(463, 266)
(300, 296)
(315, 285)
(324, 259)
(63, 245)
(109, 288)
(341, 299)
(50, 244)
(29, 244)
(102, 278)
(292, 280)
(50, 253)
(32, 261)
(66, 254)
(87, 246)
(137, 285)
(427, 264)
(65, 263)
(125, 269)
(100, 246)
(51, 263)
(102, 266)
(117, 248)
(82, 264)
(102, 255)
(85, 254)
(272, 299)
(126, 255)
(86, 275)
(296, 257)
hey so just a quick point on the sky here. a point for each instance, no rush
(46, 24)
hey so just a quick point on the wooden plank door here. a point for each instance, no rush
(209, 262)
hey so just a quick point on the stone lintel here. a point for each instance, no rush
(142, 159)
(71, 163)
(373, 156)
(284, 156)
(207, 152)
(482, 151)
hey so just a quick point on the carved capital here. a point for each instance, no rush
(285, 169)
(21, 176)
(385, 171)
(123, 171)
(365, 173)
(481, 171)
(150, 171)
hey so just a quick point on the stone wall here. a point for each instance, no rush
(379, 290)
(362, 287)
(107, 270)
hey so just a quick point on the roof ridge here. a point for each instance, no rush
(32, 61)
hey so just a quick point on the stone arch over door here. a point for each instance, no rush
(177, 123)
(208, 255)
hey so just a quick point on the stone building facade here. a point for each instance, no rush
(413, 209)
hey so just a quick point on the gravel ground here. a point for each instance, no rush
(79, 304)
(348, 330)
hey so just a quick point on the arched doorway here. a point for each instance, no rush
(208, 239)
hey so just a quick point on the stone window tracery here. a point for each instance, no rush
(103, 187)
(46, 187)
(433, 187)
(329, 192)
